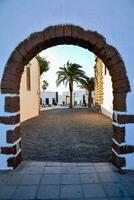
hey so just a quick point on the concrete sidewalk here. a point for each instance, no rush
(66, 181)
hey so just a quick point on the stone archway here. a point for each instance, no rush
(51, 36)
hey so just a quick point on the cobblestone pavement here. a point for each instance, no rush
(66, 181)
(66, 135)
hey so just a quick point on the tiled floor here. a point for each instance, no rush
(66, 181)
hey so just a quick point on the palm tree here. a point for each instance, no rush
(88, 84)
(43, 63)
(68, 74)
(45, 85)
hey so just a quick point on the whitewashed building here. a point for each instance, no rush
(30, 91)
(103, 94)
(48, 98)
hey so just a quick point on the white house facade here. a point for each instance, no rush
(49, 98)
(107, 106)
(103, 94)
(30, 91)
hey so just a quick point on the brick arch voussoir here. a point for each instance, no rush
(119, 101)
(68, 34)
(97, 41)
(114, 62)
(22, 54)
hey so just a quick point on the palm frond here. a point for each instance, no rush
(70, 72)
(87, 83)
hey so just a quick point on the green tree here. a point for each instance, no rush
(45, 85)
(43, 63)
(68, 74)
(88, 84)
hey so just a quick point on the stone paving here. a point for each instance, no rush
(76, 135)
(66, 181)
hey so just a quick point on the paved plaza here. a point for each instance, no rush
(67, 156)
(76, 135)
(66, 181)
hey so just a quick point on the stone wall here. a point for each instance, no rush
(98, 84)
(103, 89)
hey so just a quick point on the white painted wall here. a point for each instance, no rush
(61, 99)
(49, 95)
(29, 100)
(77, 97)
(107, 106)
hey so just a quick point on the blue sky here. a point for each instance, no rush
(59, 55)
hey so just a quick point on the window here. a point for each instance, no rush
(96, 72)
(105, 72)
(47, 101)
(28, 77)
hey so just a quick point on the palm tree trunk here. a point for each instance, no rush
(89, 99)
(71, 95)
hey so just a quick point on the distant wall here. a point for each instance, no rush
(29, 99)
(98, 91)
(103, 94)
(107, 106)
(65, 97)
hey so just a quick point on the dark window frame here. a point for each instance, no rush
(28, 77)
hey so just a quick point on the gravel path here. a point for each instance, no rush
(76, 135)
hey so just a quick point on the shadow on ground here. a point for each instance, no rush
(66, 135)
